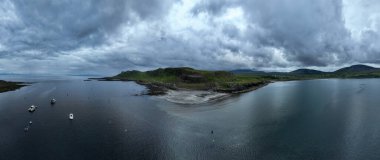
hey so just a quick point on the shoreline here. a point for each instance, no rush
(157, 89)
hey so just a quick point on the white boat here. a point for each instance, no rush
(71, 116)
(52, 101)
(32, 108)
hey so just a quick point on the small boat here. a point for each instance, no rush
(32, 108)
(26, 129)
(71, 116)
(52, 101)
(30, 122)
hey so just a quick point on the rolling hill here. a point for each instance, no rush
(306, 71)
(357, 68)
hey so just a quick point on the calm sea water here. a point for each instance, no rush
(299, 120)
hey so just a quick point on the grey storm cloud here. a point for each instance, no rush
(109, 36)
(49, 26)
(309, 32)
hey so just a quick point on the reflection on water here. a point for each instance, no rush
(318, 119)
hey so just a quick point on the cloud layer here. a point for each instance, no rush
(103, 37)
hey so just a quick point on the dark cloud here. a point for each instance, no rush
(50, 26)
(114, 35)
(307, 30)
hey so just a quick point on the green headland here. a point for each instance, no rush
(9, 86)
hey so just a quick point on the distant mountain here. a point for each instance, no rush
(306, 71)
(356, 68)
(347, 71)
(246, 71)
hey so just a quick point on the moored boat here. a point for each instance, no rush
(52, 101)
(32, 108)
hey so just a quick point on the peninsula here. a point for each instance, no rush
(161, 80)
(9, 86)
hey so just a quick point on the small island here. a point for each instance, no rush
(161, 80)
(9, 86)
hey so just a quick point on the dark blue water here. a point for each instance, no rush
(317, 119)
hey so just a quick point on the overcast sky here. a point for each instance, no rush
(106, 37)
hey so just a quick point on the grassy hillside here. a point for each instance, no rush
(189, 78)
